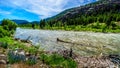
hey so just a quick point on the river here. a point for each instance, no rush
(83, 43)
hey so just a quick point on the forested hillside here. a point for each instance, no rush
(103, 12)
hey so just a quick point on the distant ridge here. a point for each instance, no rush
(20, 21)
(23, 22)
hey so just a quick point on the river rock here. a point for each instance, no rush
(3, 61)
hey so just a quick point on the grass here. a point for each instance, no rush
(6, 39)
(52, 60)
(94, 27)
(12, 44)
(84, 28)
(56, 60)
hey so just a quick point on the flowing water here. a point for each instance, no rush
(83, 43)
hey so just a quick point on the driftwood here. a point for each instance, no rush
(59, 40)
(25, 40)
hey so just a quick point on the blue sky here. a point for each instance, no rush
(34, 10)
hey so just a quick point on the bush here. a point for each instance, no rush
(3, 33)
(31, 60)
(8, 24)
(56, 60)
(4, 45)
(104, 28)
(15, 58)
(32, 50)
(7, 28)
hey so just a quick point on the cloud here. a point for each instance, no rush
(43, 8)
(5, 12)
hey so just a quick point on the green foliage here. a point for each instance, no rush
(105, 22)
(31, 60)
(33, 26)
(15, 58)
(4, 45)
(7, 40)
(32, 50)
(113, 25)
(8, 24)
(42, 23)
(3, 32)
(25, 25)
(7, 28)
(56, 60)
(101, 12)
(104, 29)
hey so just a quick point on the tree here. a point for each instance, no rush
(33, 26)
(113, 24)
(8, 24)
(42, 23)
(108, 20)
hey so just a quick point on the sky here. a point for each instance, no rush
(35, 10)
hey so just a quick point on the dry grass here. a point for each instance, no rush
(22, 65)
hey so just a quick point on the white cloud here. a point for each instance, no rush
(81, 1)
(43, 8)
(5, 12)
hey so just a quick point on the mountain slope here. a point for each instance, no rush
(93, 9)
(20, 21)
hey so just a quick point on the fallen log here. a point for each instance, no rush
(59, 40)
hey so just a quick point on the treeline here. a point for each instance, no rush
(98, 15)
(109, 19)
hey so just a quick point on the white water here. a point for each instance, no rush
(89, 43)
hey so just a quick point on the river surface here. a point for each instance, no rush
(83, 43)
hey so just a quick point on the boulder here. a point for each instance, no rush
(3, 62)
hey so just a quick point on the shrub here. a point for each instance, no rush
(56, 60)
(4, 45)
(8, 24)
(113, 25)
(31, 60)
(3, 33)
(104, 28)
(15, 58)
(32, 50)
(5, 27)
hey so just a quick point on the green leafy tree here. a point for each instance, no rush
(42, 23)
(113, 24)
(3, 32)
(8, 24)
(33, 26)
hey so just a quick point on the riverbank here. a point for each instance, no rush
(80, 49)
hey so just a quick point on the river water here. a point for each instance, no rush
(83, 43)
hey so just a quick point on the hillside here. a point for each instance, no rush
(20, 21)
(96, 9)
